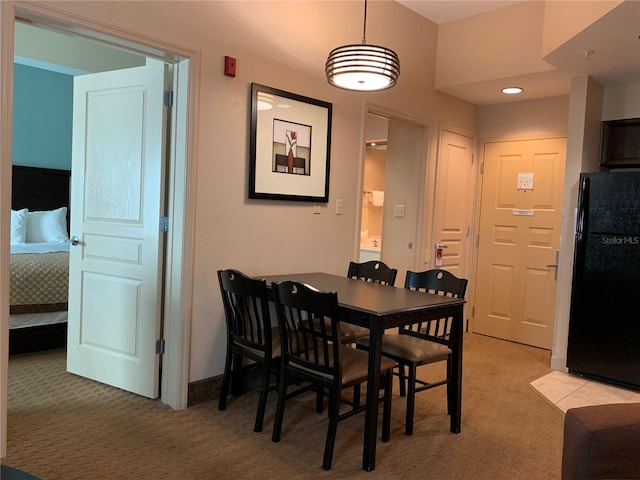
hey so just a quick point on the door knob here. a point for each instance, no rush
(74, 240)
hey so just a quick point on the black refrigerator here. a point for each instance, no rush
(604, 325)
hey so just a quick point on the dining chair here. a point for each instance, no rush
(312, 352)
(249, 334)
(423, 342)
(372, 271)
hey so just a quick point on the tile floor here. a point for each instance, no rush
(567, 391)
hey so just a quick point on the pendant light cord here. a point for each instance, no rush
(364, 28)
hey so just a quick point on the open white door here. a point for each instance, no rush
(117, 201)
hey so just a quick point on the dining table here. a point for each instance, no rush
(379, 308)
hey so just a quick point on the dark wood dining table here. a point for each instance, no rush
(378, 308)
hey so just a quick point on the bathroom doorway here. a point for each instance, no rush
(373, 188)
(392, 191)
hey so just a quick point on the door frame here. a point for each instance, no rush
(180, 174)
(477, 210)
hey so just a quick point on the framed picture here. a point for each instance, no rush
(290, 146)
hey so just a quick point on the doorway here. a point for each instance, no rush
(179, 193)
(375, 161)
(393, 190)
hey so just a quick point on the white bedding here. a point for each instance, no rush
(23, 320)
(40, 247)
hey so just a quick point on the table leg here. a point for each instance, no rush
(455, 393)
(373, 391)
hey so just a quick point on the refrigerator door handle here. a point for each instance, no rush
(583, 199)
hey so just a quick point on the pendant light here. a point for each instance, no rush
(363, 67)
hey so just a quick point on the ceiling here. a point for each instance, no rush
(613, 43)
(443, 11)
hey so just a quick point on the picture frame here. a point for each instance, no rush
(290, 146)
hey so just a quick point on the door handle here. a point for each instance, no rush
(555, 265)
(74, 240)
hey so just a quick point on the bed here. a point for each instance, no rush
(39, 259)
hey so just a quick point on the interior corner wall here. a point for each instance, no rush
(564, 20)
(583, 141)
(42, 118)
(511, 39)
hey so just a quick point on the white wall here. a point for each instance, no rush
(282, 45)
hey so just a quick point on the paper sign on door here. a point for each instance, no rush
(525, 181)
(439, 248)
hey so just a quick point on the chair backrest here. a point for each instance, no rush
(436, 281)
(246, 308)
(439, 282)
(309, 323)
(373, 271)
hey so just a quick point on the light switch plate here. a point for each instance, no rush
(339, 206)
(398, 211)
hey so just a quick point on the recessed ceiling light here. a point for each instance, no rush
(512, 90)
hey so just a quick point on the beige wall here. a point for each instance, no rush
(261, 237)
(510, 40)
(523, 119)
(564, 19)
(621, 101)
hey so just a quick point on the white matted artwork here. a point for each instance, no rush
(290, 146)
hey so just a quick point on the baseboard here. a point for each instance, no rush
(203, 390)
(559, 363)
(208, 389)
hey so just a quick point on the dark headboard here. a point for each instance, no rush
(40, 188)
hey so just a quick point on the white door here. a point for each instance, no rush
(520, 215)
(116, 205)
(453, 212)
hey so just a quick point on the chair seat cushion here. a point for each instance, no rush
(256, 350)
(350, 333)
(275, 343)
(408, 349)
(355, 364)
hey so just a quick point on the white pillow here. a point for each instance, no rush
(47, 226)
(18, 226)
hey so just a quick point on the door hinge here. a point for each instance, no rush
(468, 230)
(473, 158)
(482, 167)
(168, 98)
(164, 224)
(473, 311)
(477, 240)
(160, 346)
